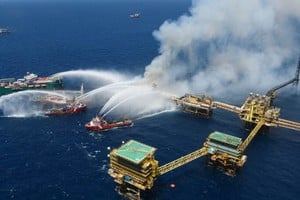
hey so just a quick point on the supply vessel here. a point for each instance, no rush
(29, 82)
(71, 108)
(100, 124)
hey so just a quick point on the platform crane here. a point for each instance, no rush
(272, 92)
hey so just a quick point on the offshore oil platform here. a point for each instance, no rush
(134, 167)
(196, 104)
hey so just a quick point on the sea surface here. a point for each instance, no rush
(56, 158)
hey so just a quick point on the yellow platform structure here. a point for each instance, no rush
(195, 104)
(133, 167)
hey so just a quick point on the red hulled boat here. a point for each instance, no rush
(68, 109)
(99, 124)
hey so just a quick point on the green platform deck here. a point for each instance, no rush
(225, 138)
(134, 151)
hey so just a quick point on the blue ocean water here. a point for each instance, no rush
(56, 158)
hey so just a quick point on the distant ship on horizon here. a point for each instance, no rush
(4, 30)
(135, 15)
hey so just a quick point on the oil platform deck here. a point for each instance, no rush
(196, 104)
(133, 165)
(134, 168)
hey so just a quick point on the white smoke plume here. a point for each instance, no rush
(226, 46)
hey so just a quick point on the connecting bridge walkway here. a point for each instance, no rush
(182, 161)
(288, 124)
(251, 135)
(225, 106)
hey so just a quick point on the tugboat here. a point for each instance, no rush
(29, 82)
(71, 108)
(100, 124)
